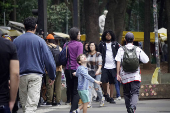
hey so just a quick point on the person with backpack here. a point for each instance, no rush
(108, 48)
(56, 87)
(75, 48)
(128, 71)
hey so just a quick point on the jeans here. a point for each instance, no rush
(117, 87)
(96, 86)
(4, 109)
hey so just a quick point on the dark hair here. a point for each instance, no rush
(85, 45)
(105, 33)
(96, 46)
(51, 41)
(73, 33)
(78, 58)
(129, 37)
(30, 23)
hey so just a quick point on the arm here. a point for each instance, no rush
(99, 60)
(14, 82)
(118, 71)
(49, 61)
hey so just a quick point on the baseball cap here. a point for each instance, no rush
(50, 36)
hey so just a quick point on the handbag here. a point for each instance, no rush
(92, 73)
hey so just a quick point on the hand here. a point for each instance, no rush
(51, 82)
(74, 74)
(98, 82)
(119, 78)
(97, 72)
(11, 105)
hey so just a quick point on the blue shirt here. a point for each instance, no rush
(34, 55)
(83, 78)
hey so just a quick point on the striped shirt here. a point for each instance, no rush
(130, 77)
(94, 61)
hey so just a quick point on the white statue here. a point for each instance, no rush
(102, 21)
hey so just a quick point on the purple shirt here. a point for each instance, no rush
(75, 49)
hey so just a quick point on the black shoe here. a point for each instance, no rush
(112, 101)
(97, 99)
(48, 104)
(130, 110)
(107, 98)
(56, 104)
(67, 103)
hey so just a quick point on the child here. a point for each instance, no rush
(83, 78)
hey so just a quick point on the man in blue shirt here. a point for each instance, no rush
(34, 56)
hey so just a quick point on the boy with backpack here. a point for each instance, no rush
(83, 82)
(56, 87)
(128, 71)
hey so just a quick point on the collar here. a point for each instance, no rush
(129, 44)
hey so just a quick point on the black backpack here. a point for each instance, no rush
(64, 54)
(130, 61)
(56, 52)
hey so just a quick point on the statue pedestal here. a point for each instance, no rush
(153, 91)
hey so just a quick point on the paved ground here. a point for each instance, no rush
(144, 106)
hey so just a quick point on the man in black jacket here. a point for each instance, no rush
(108, 48)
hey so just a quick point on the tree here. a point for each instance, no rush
(115, 19)
(147, 30)
(91, 9)
(168, 31)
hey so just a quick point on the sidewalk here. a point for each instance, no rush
(144, 106)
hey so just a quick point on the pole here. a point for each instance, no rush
(156, 37)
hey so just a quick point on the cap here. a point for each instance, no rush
(50, 36)
(129, 36)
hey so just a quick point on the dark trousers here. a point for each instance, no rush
(72, 83)
(131, 93)
(4, 109)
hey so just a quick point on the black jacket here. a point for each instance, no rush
(102, 49)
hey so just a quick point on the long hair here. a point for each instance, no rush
(105, 33)
(96, 47)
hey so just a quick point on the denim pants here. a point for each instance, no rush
(117, 87)
(4, 109)
(96, 86)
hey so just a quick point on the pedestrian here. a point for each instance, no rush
(75, 48)
(85, 47)
(83, 82)
(94, 65)
(34, 56)
(9, 77)
(128, 71)
(56, 87)
(108, 49)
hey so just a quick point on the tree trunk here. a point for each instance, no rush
(119, 18)
(91, 9)
(160, 20)
(115, 18)
(147, 32)
(168, 31)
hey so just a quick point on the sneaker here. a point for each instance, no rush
(119, 98)
(131, 110)
(56, 104)
(75, 111)
(48, 104)
(107, 98)
(67, 103)
(89, 105)
(102, 102)
(112, 101)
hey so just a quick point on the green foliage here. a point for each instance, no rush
(56, 16)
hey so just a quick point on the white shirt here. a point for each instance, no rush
(109, 60)
(129, 77)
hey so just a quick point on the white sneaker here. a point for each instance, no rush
(102, 102)
(119, 98)
(89, 105)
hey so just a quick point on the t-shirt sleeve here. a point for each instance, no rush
(14, 55)
(143, 57)
(118, 56)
